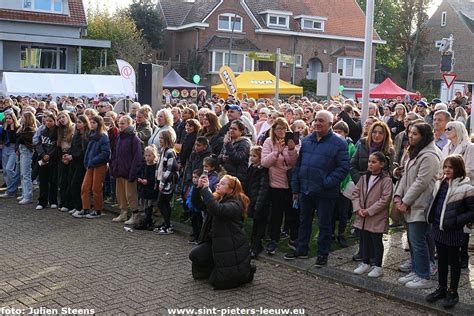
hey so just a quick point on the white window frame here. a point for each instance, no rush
(230, 16)
(444, 18)
(277, 25)
(224, 60)
(58, 58)
(298, 61)
(312, 28)
(344, 63)
(30, 6)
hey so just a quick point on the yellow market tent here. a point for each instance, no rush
(257, 84)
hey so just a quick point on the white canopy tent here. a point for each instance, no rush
(36, 84)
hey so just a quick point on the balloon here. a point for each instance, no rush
(196, 79)
(341, 88)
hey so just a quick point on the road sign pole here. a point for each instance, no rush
(277, 83)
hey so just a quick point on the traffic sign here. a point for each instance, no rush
(262, 56)
(449, 79)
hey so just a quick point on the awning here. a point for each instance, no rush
(64, 41)
(29, 84)
(174, 80)
(258, 84)
(387, 90)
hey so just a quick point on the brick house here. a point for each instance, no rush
(43, 36)
(316, 32)
(452, 17)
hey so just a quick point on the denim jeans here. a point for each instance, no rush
(25, 171)
(420, 256)
(11, 171)
(325, 207)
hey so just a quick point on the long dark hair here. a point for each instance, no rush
(427, 135)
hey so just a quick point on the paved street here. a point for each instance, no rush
(49, 259)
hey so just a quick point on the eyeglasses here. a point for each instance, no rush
(449, 129)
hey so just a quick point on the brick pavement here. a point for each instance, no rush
(49, 259)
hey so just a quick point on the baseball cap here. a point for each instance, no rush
(422, 104)
(235, 107)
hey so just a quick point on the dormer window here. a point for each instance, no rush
(277, 19)
(227, 19)
(312, 23)
(50, 6)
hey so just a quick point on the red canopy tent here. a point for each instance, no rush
(387, 90)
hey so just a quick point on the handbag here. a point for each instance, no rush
(349, 189)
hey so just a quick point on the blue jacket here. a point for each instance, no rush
(321, 166)
(98, 151)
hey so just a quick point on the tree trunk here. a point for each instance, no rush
(410, 67)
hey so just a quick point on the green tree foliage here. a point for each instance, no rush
(127, 41)
(148, 20)
(386, 23)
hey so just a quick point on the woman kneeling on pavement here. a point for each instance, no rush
(222, 256)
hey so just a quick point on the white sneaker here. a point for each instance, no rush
(407, 278)
(39, 207)
(376, 272)
(23, 202)
(72, 211)
(433, 268)
(64, 209)
(133, 219)
(406, 266)
(53, 206)
(419, 283)
(120, 218)
(76, 212)
(19, 198)
(362, 268)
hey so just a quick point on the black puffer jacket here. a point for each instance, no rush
(360, 160)
(224, 228)
(257, 189)
(238, 154)
(195, 162)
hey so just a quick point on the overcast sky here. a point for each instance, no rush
(113, 4)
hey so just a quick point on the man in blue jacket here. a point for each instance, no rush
(322, 164)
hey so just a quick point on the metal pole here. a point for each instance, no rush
(79, 62)
(472, 120)
(329, 82)
(369, 29)
(231, 38)
(277, 83)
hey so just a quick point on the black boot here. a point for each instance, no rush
(452, 298)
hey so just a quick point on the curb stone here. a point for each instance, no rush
(378, 287)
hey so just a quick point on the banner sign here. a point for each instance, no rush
(287, 59)
(129, 78)
(228, 79)
(262, 56)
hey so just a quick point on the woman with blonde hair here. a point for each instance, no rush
(460, 115)
(164, 121)
(279, 157)
(166, 179)
(11, 173)
(65, 135)
(223, 255)
(25, 148)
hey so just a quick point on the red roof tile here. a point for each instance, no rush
(76, 17)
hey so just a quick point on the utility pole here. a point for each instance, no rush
(231, 38)
(369, 30)
(277, 75)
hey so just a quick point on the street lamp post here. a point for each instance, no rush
(369, 30)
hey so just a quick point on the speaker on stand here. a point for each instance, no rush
(150, 85)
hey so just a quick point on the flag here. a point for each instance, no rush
(128, 76)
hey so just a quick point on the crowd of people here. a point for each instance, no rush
(226, 160)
